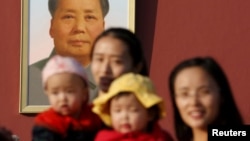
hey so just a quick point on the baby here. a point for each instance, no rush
(132, 109)
(69, 118)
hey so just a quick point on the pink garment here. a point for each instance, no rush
(60, 64)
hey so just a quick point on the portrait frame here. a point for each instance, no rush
(24, 104)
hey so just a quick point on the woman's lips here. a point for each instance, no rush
(105, 83)
(196, 114)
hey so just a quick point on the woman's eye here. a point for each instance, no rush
(205, 92)
(183, 95)
(117, 61)
(98, 59)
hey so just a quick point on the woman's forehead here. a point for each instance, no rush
(110, 46)
(193, 76)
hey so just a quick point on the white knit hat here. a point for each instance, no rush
(60, 64)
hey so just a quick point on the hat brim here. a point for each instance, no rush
(101, 104)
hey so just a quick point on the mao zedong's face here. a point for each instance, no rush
(74, 27)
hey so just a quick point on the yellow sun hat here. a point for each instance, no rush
(141, 86)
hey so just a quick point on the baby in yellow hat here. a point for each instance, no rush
(132, 109)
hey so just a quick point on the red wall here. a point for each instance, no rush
(170, 31)
(180, 29)
(9, 73)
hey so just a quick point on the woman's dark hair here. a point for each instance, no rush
(133, 43)
(228, 112)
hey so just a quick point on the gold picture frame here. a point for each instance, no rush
(29, 13)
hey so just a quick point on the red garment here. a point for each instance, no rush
(157, 134)
(87, 121)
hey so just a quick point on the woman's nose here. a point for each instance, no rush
(194, 99)
(106, 68)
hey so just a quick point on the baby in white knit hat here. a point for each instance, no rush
(65, 84)
(70, 117)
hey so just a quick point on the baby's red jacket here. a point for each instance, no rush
(51, 125)
(157, 134)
